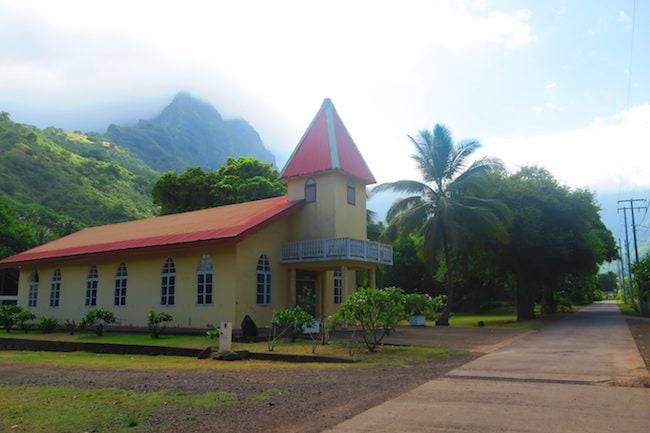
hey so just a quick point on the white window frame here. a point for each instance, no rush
(32, 296)
(205, 282)
(168, 284)
(92, 287)
(337, 286)
(55, 289)
(263, 281)
(121, 285)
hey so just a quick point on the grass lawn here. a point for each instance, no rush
(628, 309)
(491, 320)
(387, 355)
(55, 409)
(189, 341)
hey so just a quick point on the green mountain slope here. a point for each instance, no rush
(189, 133)
(56, 176)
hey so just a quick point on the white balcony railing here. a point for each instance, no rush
(337, 249)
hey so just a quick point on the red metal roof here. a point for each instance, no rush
(224, 223)
(326, 146)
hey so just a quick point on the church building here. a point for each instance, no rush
(221, 264)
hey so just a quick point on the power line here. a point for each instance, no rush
(629, 71)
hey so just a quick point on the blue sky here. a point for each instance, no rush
(538, 82)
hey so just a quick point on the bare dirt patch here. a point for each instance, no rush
(640, 328)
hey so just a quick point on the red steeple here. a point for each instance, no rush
(327, 146)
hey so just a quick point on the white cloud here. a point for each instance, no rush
(609, 154)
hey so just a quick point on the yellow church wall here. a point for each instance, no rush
(266, 241)
(330, 216)
(143, 288)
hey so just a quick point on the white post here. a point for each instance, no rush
(225, 336)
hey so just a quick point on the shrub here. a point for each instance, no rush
(47, 325)
(97, 317)
(288, 321)
(155, 322)
(8, 315)
(24, 318)
(598, 295)
(375, 311)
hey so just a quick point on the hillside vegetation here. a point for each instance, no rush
(55, 182)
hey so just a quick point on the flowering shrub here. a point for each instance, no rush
(375, 311)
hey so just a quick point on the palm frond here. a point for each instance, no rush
(458, 158)
(402, 186)
(474, 173)
(402, 205)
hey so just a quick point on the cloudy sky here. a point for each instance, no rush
(561, 83)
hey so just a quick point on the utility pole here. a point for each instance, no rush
(627, 250)
(621, 270)
(632, 209)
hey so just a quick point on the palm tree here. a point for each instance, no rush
(443, 209)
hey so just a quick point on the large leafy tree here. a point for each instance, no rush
(447, 206)
(557, 240)
(239, 180)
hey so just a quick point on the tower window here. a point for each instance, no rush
(352, 193)
(310, 190)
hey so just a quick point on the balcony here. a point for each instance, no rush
(321, 250)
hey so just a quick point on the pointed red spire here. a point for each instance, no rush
(327, 146)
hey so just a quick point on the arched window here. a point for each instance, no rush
(310, 190)
(92, 283)
(121, 278)
(263, 281)
(352, 192)
(168, 283)
(33, 289)
(338, 287)
(55, 289)
(204, 277)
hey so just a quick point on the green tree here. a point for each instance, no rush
(15, 235)
(642, 280)
(557, 241)
(245, 179)
(238, 181)
(441, 210)
(608, 281)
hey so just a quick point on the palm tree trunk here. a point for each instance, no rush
(444, 318)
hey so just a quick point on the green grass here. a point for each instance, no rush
(58, 409)
(628, 309)
(491, 320)
(188, 341)
(268, 393)
(386, 356)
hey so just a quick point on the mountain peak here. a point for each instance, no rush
(189, 132)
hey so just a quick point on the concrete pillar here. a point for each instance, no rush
(346, 282)
(373, 278)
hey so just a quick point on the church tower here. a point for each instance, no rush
(327, 171)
